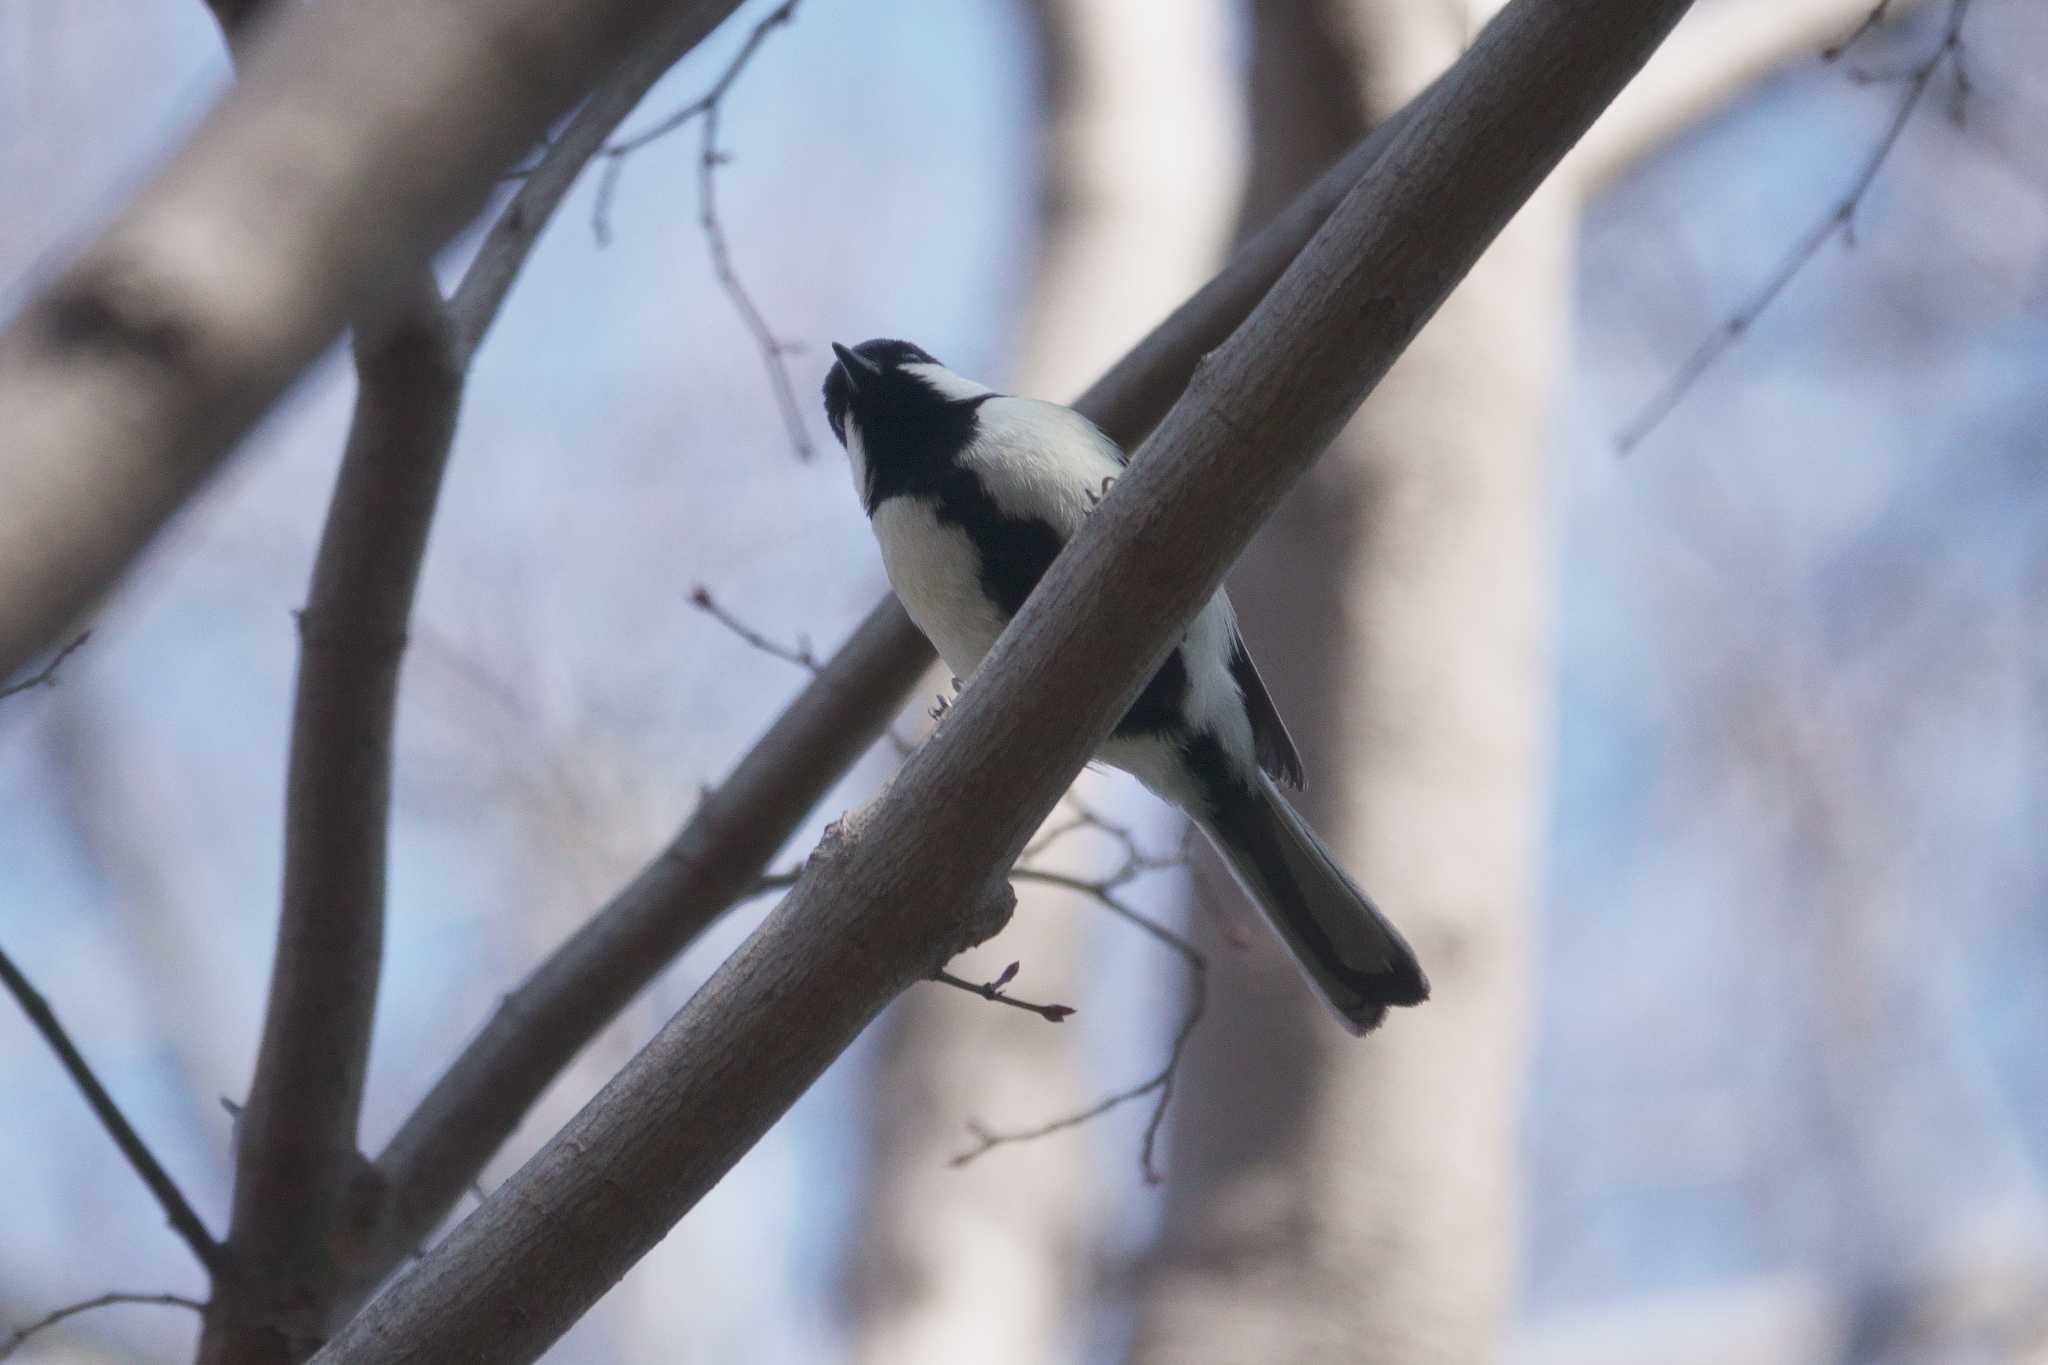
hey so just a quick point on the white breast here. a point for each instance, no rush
(937, 576)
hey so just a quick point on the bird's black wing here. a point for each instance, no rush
(1270, 740)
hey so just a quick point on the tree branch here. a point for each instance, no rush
(710, 864)
(176, 1210)
(704, 111)
(1840, 219)
(1716, 57)
(19, 1335)
(1161, 1083)
(362, 136)
(995, 993)
(518, 227)
(896, 888)
(297, 1169)
(296, 1160)
(46, 676)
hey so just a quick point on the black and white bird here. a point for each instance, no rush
(971, 494)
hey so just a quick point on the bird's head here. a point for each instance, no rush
(895, 408)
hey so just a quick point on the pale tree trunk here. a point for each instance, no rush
(1336, 1200)
(1339, 1201)
(1138, 164)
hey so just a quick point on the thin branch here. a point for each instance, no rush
(799, 654)
(46, 676)
(616, 153)
(543, 185)
(1840, 219)
(1876, 16)
(705, 112)
(71, 1310)
(1103, 891)
(176, 1209)
(993, 991)
(1161, 1083)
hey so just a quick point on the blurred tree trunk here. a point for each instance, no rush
(1336, 1200)
(989, 1262)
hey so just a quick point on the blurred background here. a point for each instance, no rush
(1708, 780)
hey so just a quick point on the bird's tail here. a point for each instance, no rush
(1356, 960)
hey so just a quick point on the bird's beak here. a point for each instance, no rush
(857, 367)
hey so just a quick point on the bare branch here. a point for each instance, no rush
(542, 186)
(176, 1209)
(1840, 219)
(50, 1319)
(1871, 20)
(1722, 52)
(708, 867)
(1103, 893)
(46, 676)
(993, 991)
(1161, 1083)
(295, 1153)
(900, 886)
(297, 1162)
(704, 111)
(799, 654)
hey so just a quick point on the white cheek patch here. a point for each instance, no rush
(945, 383)
(857, 459)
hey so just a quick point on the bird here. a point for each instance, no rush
(970, 494)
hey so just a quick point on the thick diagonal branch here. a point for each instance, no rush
(907, 879)
(728, 843)
(442, 1147)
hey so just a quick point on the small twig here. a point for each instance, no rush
(1870, 21)
(1103, 890)
(175, 1208)
(705, 111)
(72, 1310)
(799, 654)
(1840, 219)
(1160, 1083)
(46, 676)
(993, 990)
